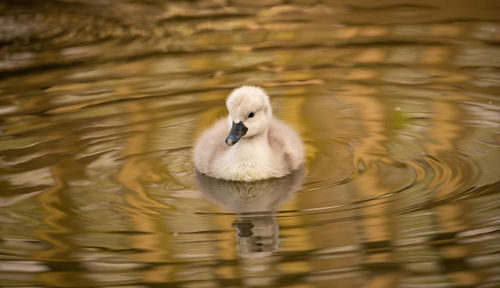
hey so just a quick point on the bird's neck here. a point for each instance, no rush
(260, 138)
(251, 145)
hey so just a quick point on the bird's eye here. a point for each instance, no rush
(251, 115)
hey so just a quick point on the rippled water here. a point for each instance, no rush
(397, 102)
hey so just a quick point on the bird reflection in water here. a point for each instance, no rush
(255, 204)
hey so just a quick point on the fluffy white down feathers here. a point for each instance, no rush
(259, 146)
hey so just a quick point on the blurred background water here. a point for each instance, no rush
(396, 101)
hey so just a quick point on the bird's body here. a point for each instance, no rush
(258, 146)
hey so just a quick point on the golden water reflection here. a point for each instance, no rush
(397, 104)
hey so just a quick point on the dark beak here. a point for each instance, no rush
(238, 130)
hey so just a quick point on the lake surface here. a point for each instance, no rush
(397, 103)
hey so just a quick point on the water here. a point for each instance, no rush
(396, 101)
